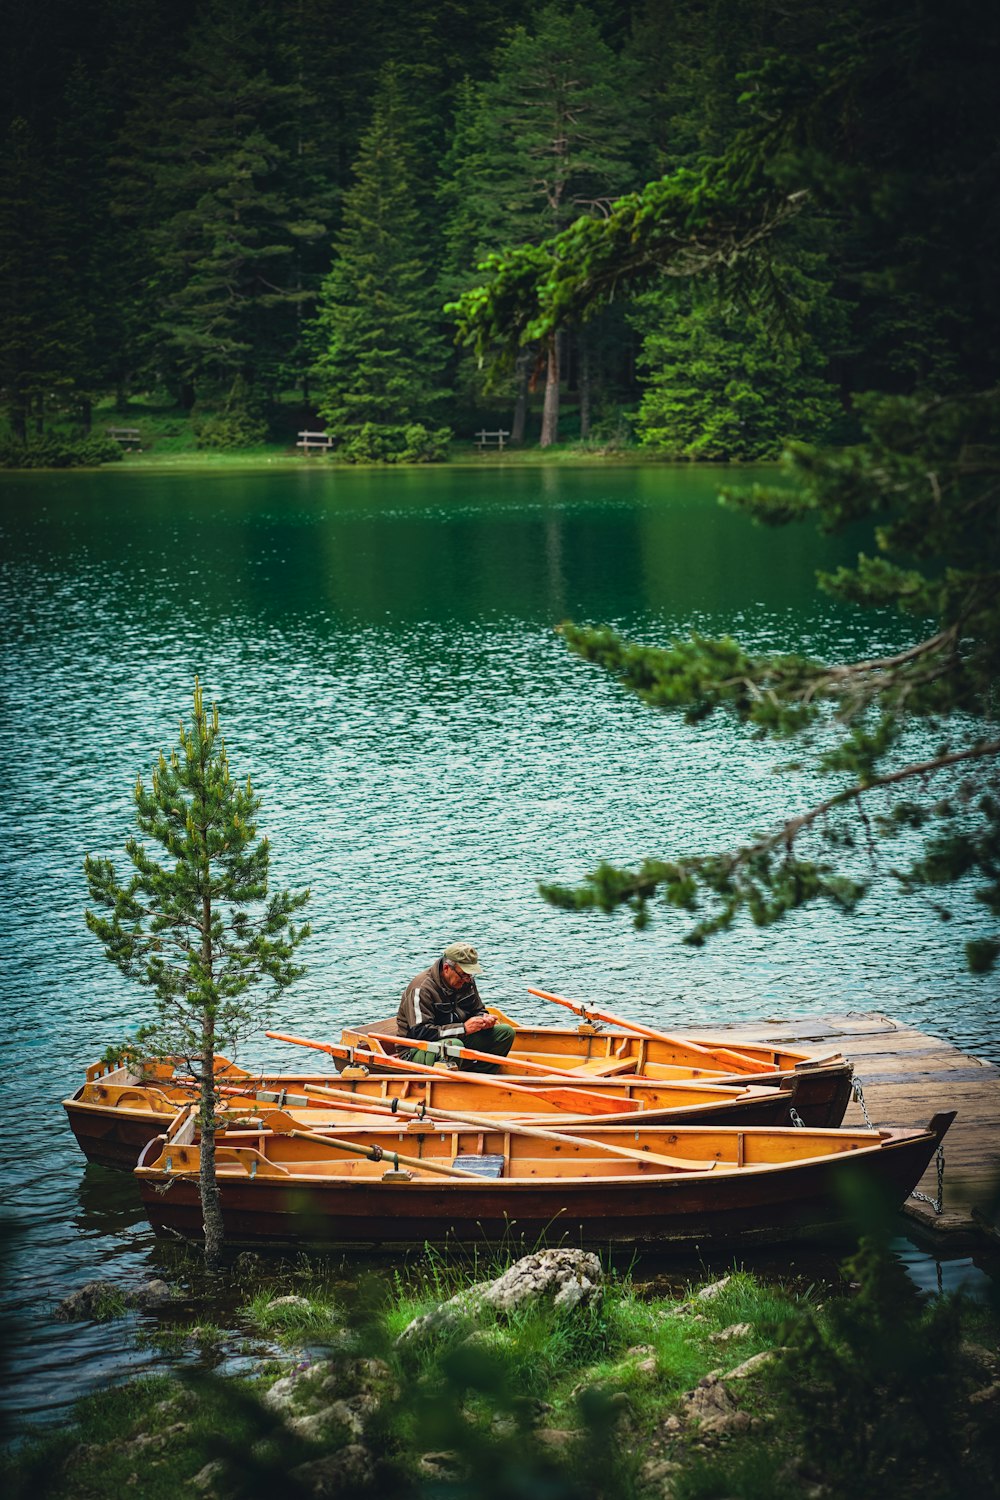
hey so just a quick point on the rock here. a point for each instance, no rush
(557, 1438)
(640, 1351)
(205, 1478)
(446, 1466)
(569, 1278)
(659, 1473)
(709, 1293)
(289, 1301)
(327, 1477)
(297, 1387)
(97, 1299)
(647, 1367)
(734, 1331)
(751, 1365)
(316, 1424)
(983, 1361)
(152, 1294)
(988, 1396)
(86, 1300)
(710, 1405)
(458, 1310)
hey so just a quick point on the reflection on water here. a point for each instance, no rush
(381, 646)
(107, 1202)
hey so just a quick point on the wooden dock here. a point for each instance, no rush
(906, 1077)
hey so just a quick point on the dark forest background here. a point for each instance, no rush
(254, 213)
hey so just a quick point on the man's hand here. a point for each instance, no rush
(479, 1023)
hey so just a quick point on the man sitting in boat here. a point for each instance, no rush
(443, 1004)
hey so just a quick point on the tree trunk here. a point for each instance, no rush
(19, 414)
(550, 410)
(584, 388)
(520, 417)
(208, 1187)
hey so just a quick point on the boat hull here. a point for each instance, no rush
(684, 1212)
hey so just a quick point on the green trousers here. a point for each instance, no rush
(498, 1041)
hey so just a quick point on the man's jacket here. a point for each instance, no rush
(431, 1010)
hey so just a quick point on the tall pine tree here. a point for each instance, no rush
(378, 334)
(218, 143)
(548, 142)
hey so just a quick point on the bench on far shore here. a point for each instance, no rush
(128, 436)
(484, 439)
(321, 441)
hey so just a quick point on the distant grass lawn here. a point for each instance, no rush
(169, 441)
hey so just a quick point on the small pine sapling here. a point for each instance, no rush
(195, 922)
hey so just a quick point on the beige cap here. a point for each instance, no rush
(463, 956)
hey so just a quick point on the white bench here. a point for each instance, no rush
(127, 436)
(321, 441)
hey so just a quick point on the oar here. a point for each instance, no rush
(281, 1124)
(744, 1063)
(537, 1132)
(455, 1049)
(588, 1103)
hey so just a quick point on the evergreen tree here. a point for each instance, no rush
(194, 923)
(380, 346)
(39, 336)
(728, 382)
(548, 142)
(218, 142)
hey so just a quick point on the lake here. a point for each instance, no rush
(381, 647)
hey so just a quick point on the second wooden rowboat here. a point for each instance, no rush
(597, 1056)
(730, 1187)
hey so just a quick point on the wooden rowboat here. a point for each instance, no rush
(594, 1055)
(727, 1186)
(117, 1112)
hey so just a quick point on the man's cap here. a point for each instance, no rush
(463, 956)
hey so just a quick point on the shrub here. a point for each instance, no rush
(59, 453)
(378, 443)
(239, 427)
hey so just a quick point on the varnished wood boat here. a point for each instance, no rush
(116, 1112)
(597, 1055)
(728, 1186)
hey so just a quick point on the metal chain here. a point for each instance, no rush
(936, 1203)
(859, 1095)
(796, 1119)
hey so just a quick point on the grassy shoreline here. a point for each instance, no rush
(732, 1389)
(170, 441)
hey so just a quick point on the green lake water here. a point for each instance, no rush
(381, 647)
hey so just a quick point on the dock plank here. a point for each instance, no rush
(906, 1077)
